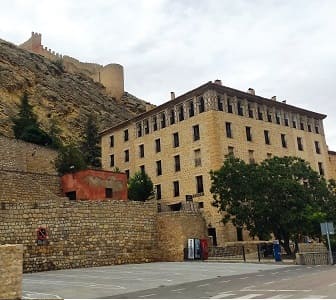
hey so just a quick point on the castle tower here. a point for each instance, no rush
(112, 77)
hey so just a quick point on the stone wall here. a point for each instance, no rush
(174, 229)
(17, 155)
(332, 164)
(11, 271)
(81, 234)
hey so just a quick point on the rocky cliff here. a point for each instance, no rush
(56, 94)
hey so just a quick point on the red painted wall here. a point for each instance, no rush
(91, 184)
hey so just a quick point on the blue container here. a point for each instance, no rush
(277, 250)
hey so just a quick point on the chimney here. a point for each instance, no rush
(172, 95)
(251, 91)
(284, 101)
(273, 98)
(218, 82)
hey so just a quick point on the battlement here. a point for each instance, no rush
(110, 76)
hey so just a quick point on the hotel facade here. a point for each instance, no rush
(180, 141)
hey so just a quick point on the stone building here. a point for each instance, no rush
(180, 141)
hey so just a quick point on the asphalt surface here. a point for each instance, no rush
(184, 280)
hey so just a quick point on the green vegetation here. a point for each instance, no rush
(281, 196)
(140, 187)
(69, 160)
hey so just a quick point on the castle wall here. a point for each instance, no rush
(11, 271)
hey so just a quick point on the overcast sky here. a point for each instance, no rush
(282, 48)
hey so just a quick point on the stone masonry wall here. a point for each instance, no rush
(174, 229)
(11, 271)
(82, 234)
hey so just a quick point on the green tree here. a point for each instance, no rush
(281, 196)
(69, 160)
(90, 146)
(26, 126)
(140, 187)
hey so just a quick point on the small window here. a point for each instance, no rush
(112, 141)
(317, 147)
(112, 160)
(317, 129)
(139, 129)
(163, 120)
(277, 118)
(294, 124)
(199, 184)
(267, 138)
(228, 130)
(283, 141)
(177, 163)
(200, 204)
(250, 111)
(260, 115)
(142, 169)
(198, 160)
(269, 116)
(172, 117)
(191, 109)
(251, 157)
(201, 107)
(248, 134)
(158, 191)
(220, 103)
(196, 132)
(301, 126)
(141, 151)
(181, 113)
(299, 143)
(71, 195)
(108, 193)
(229, 106)
(269, 155)
(126, 153)
(126, 135)
(240, 109)
(176, 141)
(146, 126)
(309, 128)
(155, 125)
(321, 170)
(286, 122)
(176, 189)
(231, 150)
(157, 145)
(158, 168)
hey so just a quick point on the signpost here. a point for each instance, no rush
(327, 228)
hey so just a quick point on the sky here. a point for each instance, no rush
(283, 48)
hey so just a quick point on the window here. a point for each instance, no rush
(157, 145)
(309, 128)
(197, 155)
(108, 193)
(240, 109)
(231, 150)
(317, 129)
(142, 150)
(229, 106)
(294, 124)
(126, 152)
(277, 118)
(199, 184)
(250, 111)
(317, 147)
(260, 115)
(146, 126)
(126, 135)
(158, 168)
(239, 234)
(71, 195)
(283, 141)
(267, 139)
(269, 116)
(228, 129)
(158, 191)
(163, 120)
(142, 169)
(176, 189)
(251, 157)
(191, 109)
(248, 133)
(269, 155)
(112, 141)
(127, 172)
(200, 204)
(201, 107)
(301, 126)
(196, 132)
(139, 130)
(177, 163)
(112, 160)
(155, 125)
(172, 117)
(181, 113)
(220, 103)
(176, 139)
(299, 143)
(320, 167)
(286, 121)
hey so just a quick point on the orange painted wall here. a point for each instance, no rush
(91, 184)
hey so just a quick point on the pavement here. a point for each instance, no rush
(116, 280)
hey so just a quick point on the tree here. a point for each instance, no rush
(281, 196)
(69, 160)
(26, 126)
(90, 148)
(140, 187)
(54, 133)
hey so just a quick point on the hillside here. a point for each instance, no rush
(56, 94)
